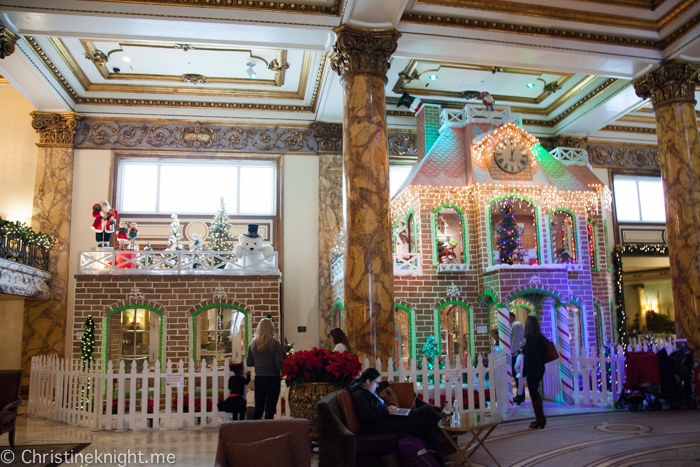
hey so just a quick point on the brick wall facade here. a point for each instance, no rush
(176, 298)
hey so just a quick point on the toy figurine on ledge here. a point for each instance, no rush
(105, 223)
(133, 233)
(122, 235)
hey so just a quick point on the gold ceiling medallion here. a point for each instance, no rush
(184, 47)
(275, 67)
(97, 57)
(7, 41)
(194, 79)
(551, 88)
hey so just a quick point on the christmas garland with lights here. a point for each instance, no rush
(19, 231)
(637, 250)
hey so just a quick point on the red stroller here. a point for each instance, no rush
(642, 381)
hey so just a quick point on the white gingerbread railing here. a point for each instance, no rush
(173, 262)
(451, 117)
(408, 264)
(479, 114)
(570, 156)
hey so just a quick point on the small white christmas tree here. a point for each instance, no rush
(220, 238)
(175, 235)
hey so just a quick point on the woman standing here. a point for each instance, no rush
(339, 340)
(534, 367)
(265, 354)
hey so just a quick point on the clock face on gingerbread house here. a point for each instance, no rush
(511, 155)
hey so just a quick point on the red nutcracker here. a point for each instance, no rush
(105, 222)
(122, 235)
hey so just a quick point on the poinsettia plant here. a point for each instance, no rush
(321, 366)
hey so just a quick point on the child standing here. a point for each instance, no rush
(236, 403)
(250, 401)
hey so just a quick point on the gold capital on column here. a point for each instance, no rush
(363, 50)
(56, 130)
(329, 136)
(7, 41)
(673, 81)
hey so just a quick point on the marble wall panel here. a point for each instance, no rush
(45, 320)
(330, 222)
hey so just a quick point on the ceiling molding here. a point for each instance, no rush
(567, 14)
(629, 129)
(553, 33)
(644, 4)
(190, 104)
(279, 7)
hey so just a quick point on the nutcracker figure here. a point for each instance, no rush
(105, 222)
(133, 233)
(122, 235)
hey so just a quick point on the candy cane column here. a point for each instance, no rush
(565, 375)
(504, 338)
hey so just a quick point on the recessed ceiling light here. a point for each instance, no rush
(433, 77)
(530, 85)
(126, 59)
(250, 71)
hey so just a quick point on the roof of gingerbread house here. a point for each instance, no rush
(454, 162)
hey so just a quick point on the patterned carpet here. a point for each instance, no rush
(42, 455)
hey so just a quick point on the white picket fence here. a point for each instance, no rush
(450, 381)
(186, 396)
(65, 391)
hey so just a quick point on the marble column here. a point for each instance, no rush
(45, 320)
(329, 137)
(361, 58)
(671, 88)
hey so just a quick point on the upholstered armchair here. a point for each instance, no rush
(237, 437)
(9, 401)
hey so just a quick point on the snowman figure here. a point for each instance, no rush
(251, 252)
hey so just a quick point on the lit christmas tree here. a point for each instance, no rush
(508, 236)
(87, 342)
(175, 235)
(220, 238)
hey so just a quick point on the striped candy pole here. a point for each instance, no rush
(567, 384)
(504, 338)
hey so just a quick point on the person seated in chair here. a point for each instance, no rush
(375, 416)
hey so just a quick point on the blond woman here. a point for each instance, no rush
(265, 354)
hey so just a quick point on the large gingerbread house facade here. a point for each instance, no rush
(482, 178)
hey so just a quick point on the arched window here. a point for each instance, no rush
(400, 237)
(135, 336)
(221, 332)
(338, 316)
(455, 332)
(449, 235)
(562, 225)
(402, 333)
(592, 247)
(514, 231)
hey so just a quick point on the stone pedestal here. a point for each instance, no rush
(671, 88)
(362, 60)
(45, 320)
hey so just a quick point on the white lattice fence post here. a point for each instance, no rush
(504, 338)
(565, 374)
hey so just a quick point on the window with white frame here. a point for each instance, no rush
(639, 199)
(185, 186)
(221, 333)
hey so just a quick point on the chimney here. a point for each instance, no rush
(428, 128)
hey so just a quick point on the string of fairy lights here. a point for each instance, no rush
(491, 141)
(17, 231)
(545, 198)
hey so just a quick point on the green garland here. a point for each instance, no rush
(19, 231)
(637, 250)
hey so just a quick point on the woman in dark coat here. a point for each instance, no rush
(374, 414)
(534, 367)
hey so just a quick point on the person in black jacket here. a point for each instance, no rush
(374, 414)
(534, 367)
(236, 403)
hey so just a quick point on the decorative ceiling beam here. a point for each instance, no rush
(278, 7)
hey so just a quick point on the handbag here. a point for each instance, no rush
(550, 351)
